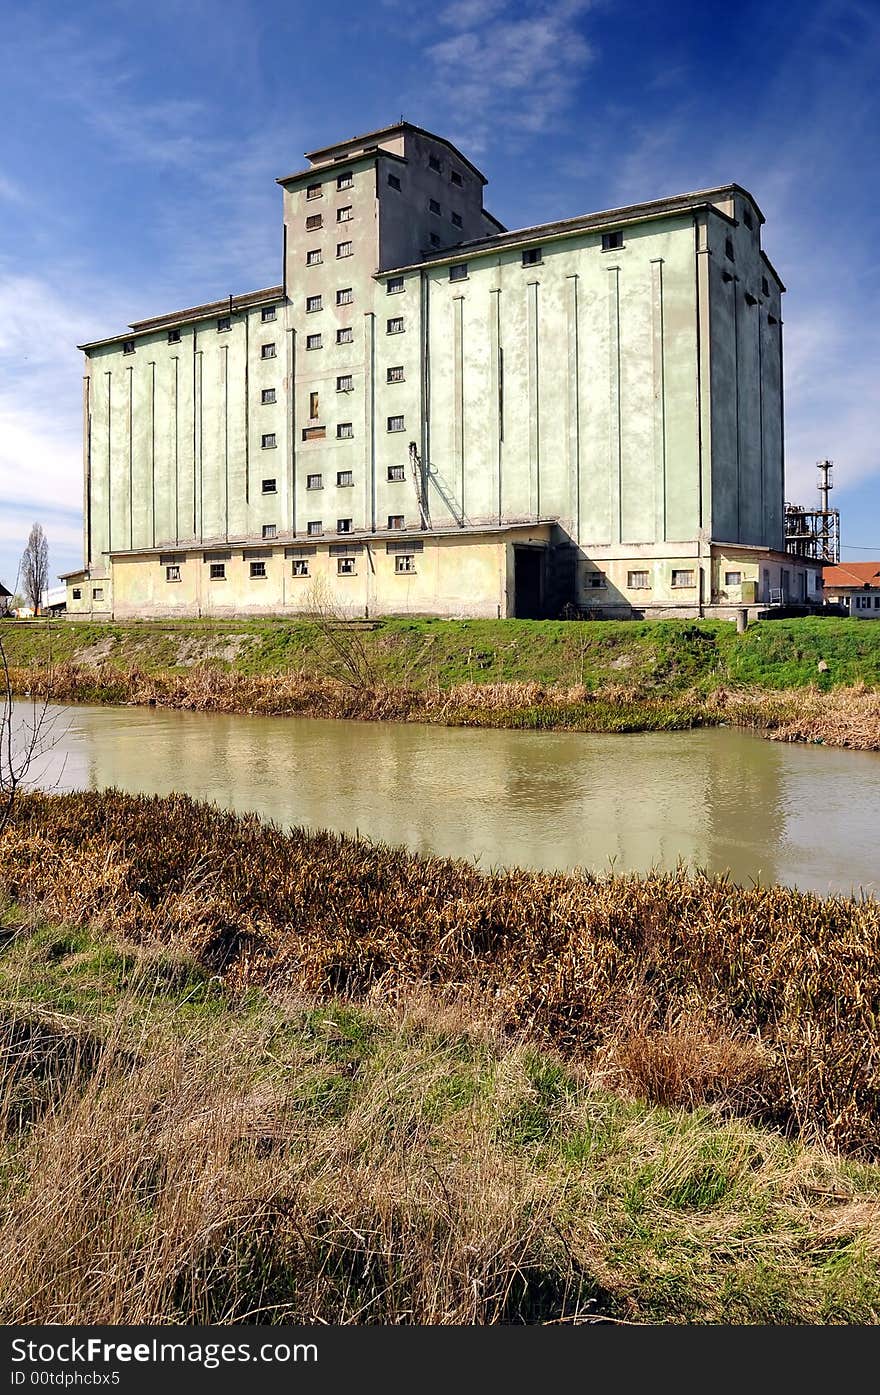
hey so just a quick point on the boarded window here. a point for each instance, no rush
(638, 581)
(395, 520)
(314, 433)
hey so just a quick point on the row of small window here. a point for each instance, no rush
(97, 593)
(316, 256)
(404, 565)
(316, 220)
(641, 580)
(343, 479)
(344, 431)
(224, 322)
(864, 602)
(394, 325)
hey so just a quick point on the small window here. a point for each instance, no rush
(314, 482)
(343, 249)
(174, 336)
(128, 346)
(345, 335)
(456, 220)
(682, 578)
(172, 573)
(267, 396)
(393, 181)
(300, 566)
(531, 256)
(765, 286)
(313, 406)
(396, 424)
(747, 216)
(396, 472)
(224, 323)
(344, 479)
(593, 580)
(217, 571)
(345, 566)
(728, 249)
(434, 164)
(270, 486)
(314, 221)
(267, 313)
(97, 593)
(395, 285)
(404, 562)
(345, 180)
(344, 214)
(314, 257)
(395, 521)
(395, 374)
(345, 296)
(314, 528)
(345, 383)
(611, 241)
(313, 191)
(268, 441)
(343, 525)
(344, 431)
(436, 241)
(313, 303)
(267, 351)
(270, 530)
(434, 206)
(258, 569)
(459, 272)
(456, 179)
(395, 325)
(313, 341)
(314, 433)
(733, 578)
(77, 593)
(638, 581)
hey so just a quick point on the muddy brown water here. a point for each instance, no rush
(726, 800)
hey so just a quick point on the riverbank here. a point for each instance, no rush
(682, 991)
(176, 1152)
(591, 677)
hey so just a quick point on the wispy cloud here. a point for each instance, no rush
(508, 69)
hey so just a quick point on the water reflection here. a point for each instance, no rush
(720, 799)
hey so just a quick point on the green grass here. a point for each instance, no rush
(429, 1171)
(672, 655)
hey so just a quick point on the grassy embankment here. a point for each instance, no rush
(809, 679)
(278, 1077)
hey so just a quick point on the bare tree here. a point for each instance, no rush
(35, 567)
(344, 658)
(23, 738)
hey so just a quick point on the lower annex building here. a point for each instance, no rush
(434, 415)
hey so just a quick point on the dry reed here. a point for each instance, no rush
(684, 988)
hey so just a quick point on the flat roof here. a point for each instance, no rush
(337, 539)
(629, 213)
(228, 305)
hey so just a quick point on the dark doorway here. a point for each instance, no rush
(528, 577)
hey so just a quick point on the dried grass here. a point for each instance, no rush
(689, 988)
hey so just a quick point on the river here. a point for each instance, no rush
(721, 799)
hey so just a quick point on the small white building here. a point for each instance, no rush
(856, 586)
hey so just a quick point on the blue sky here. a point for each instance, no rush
(140, 144)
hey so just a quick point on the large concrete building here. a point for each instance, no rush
(434, 415)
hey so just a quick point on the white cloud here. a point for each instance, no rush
(507, 68)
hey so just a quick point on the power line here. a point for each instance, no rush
(855, 547)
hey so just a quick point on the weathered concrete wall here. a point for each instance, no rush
(471, 576)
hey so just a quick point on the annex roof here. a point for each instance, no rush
(327, 153)
(609, 217)
(227, 306)
(852, 574)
